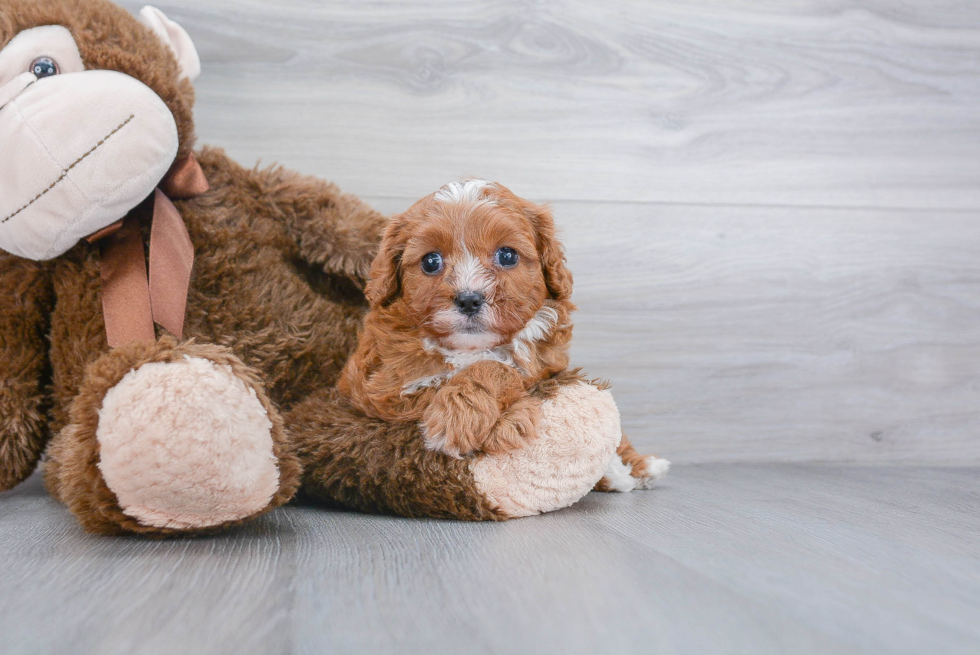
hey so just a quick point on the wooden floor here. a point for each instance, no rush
(772, 211)
(725, 558)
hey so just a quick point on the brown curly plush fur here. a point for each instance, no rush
(276, 291)
(25, 305)
(276, 280)
(285, 302)
(378, 467)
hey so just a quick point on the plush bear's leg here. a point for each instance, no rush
(630, 470)
(167, 438)
(374, 466)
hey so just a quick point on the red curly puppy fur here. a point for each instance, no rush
(470, 308)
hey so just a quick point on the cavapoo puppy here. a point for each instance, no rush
(470, 309)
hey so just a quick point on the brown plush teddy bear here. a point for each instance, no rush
(172, 326)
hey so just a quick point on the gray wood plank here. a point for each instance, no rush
(561, 584)
(62, 591)
(846, 551)
(823, 103)
(724, 558)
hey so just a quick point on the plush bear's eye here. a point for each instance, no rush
(507, 257)
(432, 263)
(44, 67)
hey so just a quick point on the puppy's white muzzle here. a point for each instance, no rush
(77, 152)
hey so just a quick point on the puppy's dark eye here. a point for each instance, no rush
(507, 257)
(432, 263)
(44, 67)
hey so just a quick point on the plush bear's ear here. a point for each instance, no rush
(176, 38)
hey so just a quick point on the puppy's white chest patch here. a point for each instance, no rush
(511, 354)
(460, 359)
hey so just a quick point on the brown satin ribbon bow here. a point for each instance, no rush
(132, 301)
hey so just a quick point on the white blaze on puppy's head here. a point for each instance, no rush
(466, 191)
(469, 273)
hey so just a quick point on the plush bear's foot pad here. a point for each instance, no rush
(186, 444)
(579, 434)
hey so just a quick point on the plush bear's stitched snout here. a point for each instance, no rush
(90, 146)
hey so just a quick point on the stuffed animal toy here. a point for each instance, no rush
(172, 325)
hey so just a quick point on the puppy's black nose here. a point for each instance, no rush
(469, 302)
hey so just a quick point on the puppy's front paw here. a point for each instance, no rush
(459, 420)
(517, 427)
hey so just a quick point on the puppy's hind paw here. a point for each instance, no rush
(655, 470)
(622, 477)
(617, 477)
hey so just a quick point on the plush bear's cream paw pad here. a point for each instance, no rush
(580, 432)
(186, 444)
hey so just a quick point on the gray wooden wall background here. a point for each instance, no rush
(772, 208)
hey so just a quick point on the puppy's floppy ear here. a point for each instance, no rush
(385, 284)
(556, 276)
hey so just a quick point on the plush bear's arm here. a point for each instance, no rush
(373, 466)
(25, 305)
(333, 231)
(367, 464)
(338, 232)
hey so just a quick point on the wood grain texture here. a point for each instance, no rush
(723, 558)
(817, 102)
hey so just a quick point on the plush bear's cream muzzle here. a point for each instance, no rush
(78, 151)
